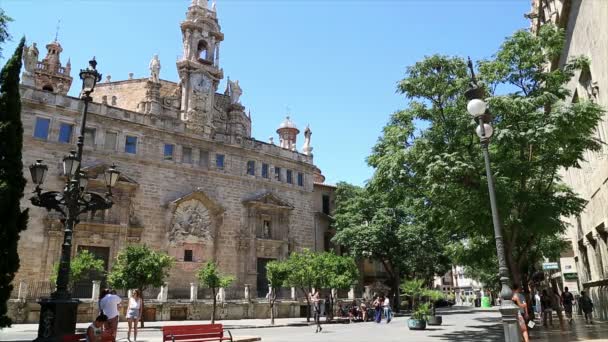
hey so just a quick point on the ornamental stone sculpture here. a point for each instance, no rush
(235, 91)
(30, 57)
(155, 69)
(307, 149)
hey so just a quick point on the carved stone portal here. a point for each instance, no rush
(192, 223)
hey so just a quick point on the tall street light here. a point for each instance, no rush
(58, 313)
(478, 109)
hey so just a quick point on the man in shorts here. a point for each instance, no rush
(568, 301)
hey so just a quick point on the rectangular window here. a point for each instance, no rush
(65, 133)
(203, 159)
(187, 155)
(41, 129)
(264, 170)
(300, 179)
(219, 161)
(251, 167)
(131, 144)
(89, 136)
(326, 204)
(277, 173)
(289, 177)
(111, 139)
(168, 152)
(188, 255)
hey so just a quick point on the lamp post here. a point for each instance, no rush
(477, 107)
(58, 313)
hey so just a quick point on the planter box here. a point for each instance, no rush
(434, 320)
(416, 324)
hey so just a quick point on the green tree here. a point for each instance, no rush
(438, 170)
(375, 226)
(4, 35)
(14, 220)
(276, 273)
(80, 266)
(302, 275)
(210, 277)
(336, 272)
(140, 267)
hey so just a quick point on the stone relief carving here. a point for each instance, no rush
(191, 223)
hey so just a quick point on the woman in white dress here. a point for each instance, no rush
(134, 312)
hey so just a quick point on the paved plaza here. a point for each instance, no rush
(482, 326)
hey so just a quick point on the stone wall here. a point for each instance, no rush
(28, 312)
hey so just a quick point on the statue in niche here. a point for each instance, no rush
(187, 44)
(191, 223)
(30, 57)
(155, 69)
(266, 233)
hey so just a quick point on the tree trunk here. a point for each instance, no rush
(330, 315)
(214, 303)
(513, 266)
(395, 289)
(141, 319)
(272, 307)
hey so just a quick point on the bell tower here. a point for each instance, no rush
(198, 68)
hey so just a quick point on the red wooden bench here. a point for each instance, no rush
(82, 338)
(74, 338)
(195, 333)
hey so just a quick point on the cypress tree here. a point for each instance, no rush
(12, 219)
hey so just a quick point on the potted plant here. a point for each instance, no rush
(414, 289)
(433, 297)
(419, 317)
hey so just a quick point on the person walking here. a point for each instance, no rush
(538, 310)
(547, 308)
(522, 314)
(109, 307)
(134, 313)
(557, 307)
(364, 312)
(587, 306)
(388, 313)
(314, 298)
(568, 301)
(378, 309)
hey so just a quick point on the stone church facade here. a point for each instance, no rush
(194, 182)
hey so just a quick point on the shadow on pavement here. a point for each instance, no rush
(489, 332)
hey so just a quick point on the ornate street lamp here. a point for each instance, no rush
(477, 107)
(58, 313)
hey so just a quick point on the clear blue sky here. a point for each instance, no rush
(335, 64)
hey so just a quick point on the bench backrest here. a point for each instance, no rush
(74, 338)
(187, 332)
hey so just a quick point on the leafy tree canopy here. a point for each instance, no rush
(140, 267)
(80, 266)
(437, 172)
(210, 277)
